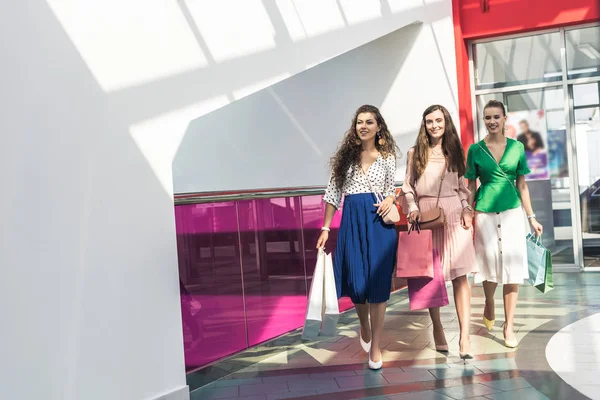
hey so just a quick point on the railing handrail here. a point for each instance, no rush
(234, 195)
(213, 197)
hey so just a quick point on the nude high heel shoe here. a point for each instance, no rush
(489, 324)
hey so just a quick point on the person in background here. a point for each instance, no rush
(365, 252)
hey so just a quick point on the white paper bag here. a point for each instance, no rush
(332, 311)
(322, 300)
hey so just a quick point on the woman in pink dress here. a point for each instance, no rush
(438, 145)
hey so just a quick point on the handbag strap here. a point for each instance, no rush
(441, 182)
(499, 167)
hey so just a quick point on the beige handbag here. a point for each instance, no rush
(392, 215)
(434, 218)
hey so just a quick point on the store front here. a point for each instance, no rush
(549, 81)
(554, 110)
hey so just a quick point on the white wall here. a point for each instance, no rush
(88, 285)
(96, 99)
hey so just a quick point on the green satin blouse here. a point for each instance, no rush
(496, 193)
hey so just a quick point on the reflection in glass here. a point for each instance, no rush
(273, 266)
(210, 282)
(583, 52)
(522, 60)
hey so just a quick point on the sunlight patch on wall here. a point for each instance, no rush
(318, 16)
(233, 28)
(159, 138)
(360, 11)
(292, 19)
(128, 43)
(398, 6)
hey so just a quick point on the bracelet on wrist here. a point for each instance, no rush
(531, 216)
(326, 229)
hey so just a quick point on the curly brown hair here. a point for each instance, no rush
(451, 145)
(348, 153)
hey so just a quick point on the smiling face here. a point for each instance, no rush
(366, 126)
(494, 120)
(435, 123)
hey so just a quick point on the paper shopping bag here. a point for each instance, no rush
(315, 307)
(539, 261)
(429, 292)
(536, 260)
(332, 311)
(414, 257)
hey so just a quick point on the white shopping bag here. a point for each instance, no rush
(320, 299)
(332, 310)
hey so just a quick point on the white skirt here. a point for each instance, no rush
(501, 247)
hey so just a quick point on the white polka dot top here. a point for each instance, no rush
(381, 174)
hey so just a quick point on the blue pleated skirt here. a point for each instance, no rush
(365, 252)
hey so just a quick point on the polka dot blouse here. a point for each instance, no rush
(381, 174)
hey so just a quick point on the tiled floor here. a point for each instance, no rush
(335, 367)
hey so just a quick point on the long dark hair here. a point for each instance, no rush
(451, 145)
(348, 153)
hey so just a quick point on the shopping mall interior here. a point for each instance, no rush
(165, 163)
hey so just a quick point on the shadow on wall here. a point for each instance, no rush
(284, 135)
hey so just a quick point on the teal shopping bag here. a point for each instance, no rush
(539, 260)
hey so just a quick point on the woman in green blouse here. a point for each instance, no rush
(500, 227)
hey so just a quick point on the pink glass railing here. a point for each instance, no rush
(245, 268)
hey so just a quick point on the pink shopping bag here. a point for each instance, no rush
(429, 292)
(414, 258)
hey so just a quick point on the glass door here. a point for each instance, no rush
(583, 75)
(586, 121)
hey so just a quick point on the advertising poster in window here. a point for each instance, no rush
(529, 128)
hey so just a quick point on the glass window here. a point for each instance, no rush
(583, 52)
(586, 94)
(517, 61)
(544, 112)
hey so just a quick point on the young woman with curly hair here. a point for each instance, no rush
(366, 246)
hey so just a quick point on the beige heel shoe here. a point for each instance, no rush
(489, 324)
(511, 344)
(467, 355)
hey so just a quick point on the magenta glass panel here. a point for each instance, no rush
(313, 210)
(210, 281)
(273, 266)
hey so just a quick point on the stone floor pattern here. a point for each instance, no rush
(336, 367)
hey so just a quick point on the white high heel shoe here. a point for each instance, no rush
(365, 346)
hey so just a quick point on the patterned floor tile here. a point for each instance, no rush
(335, 368)
(466, 391)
